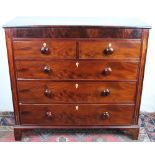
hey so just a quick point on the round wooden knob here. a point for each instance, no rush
(109, 50)
(105, 115)
(44, 49)
(107, 71)
(47, 69)
(47, 92)
(106, 92)
(49, 114)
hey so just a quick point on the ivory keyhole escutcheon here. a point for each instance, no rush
(77, 64)
(77, 107)
(76, 85)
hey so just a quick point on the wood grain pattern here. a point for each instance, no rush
(133, 132)
(56, 49)
(141, 73)
(122, 49)
(68, 115)
(86, 70)
(12, 75)
(17, 134)
(76, 32)
(33, 92)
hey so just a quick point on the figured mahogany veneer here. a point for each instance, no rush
(56, 49)
(123, 49)
(72, 92)
(74, 114)
(67, 70)
(76, 76)
(63, 49)
(76, 32)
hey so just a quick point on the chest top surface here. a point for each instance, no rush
(76, 21)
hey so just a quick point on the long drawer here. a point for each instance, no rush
(84, 114)
(76, 92)
(82, 70)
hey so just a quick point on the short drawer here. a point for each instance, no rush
(79, 70)
(33, 49)
(76, 92)
(110, 49)
(60, 115)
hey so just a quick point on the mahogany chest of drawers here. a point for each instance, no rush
(80, 75)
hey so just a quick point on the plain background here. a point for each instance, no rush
(142, 9)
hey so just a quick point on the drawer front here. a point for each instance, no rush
(77, 114)
(71, 92)
(110, 49)
(81, 70)
(45, 49)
